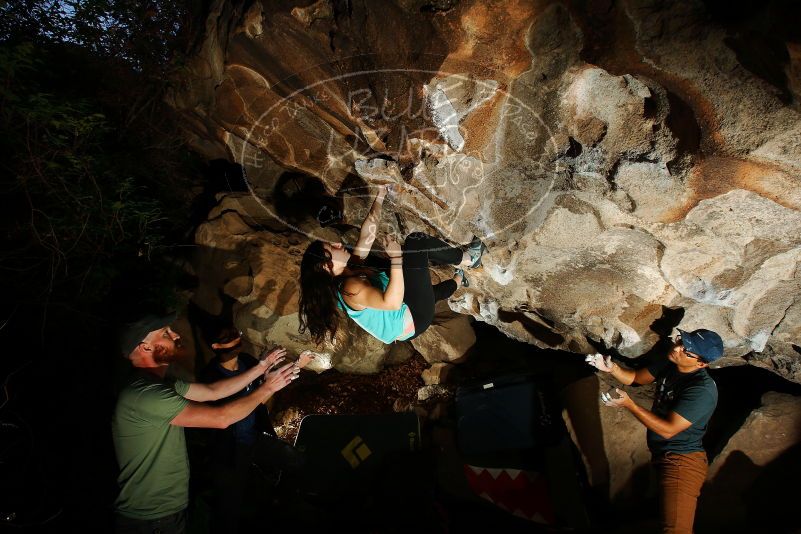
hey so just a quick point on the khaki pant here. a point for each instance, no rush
(680, 479)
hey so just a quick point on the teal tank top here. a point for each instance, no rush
(385, 325)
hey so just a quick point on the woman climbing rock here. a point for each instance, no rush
(398, 306)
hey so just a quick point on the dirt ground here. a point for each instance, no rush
(333, 392)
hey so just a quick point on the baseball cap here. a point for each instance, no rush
(134, 333)
(705, 343)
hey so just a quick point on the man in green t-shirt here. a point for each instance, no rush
(149, 420)
(685, 398)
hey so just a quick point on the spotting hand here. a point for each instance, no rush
(273, 357)
(615, 402)
(277, 379)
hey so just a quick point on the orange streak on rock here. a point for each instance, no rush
(716, 175)
(618, 55)
(490, 39)
(479, 127)
(490, 42)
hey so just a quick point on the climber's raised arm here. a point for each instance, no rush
(369, 228)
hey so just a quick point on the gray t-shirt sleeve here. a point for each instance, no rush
(695, 403)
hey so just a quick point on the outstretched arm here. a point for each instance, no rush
(369, 228)
(228, 386)
(305, 358)
(625, 376)
(667, 428)
(199, 415)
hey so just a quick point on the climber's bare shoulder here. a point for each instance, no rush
(359, 294)
(354, 290)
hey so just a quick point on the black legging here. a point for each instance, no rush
(419, 295)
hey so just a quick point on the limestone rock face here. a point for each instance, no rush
(437, 374)
(618, 162)
(770, 431)
(612, 442)
(448, 339)
(760, 457)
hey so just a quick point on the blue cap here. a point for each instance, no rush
(705, 343)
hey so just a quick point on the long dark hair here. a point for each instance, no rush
(318, 294)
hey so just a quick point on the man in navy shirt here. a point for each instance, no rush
(241, 454)
(685, 399)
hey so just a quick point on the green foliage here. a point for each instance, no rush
(143, 34)
(94, 184)
(75, 201)
(92, 170)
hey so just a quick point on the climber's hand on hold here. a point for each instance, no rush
(305, 358)
(600, 362)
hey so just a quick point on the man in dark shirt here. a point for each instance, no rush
(230, 361)
(686, 397)
(241, 455)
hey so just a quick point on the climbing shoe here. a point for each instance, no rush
(465, 281)
(476, 249)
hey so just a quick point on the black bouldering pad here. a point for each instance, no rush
(348, 455)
